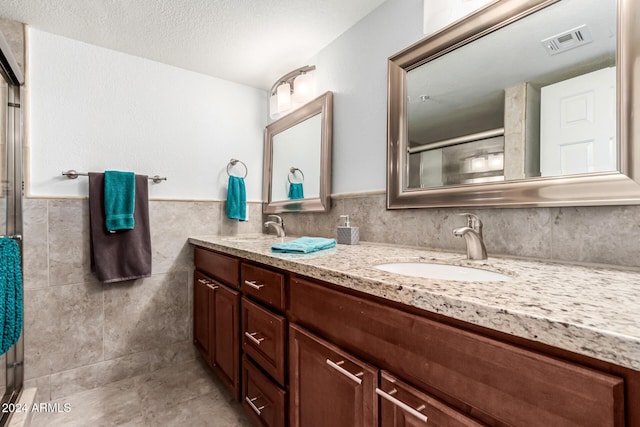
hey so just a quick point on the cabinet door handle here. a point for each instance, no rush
(402, 405)
(337, 367)
(208, 284)
(253, 284)
(253, 338)
(253, 406)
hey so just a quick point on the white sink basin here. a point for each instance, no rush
(443, 271)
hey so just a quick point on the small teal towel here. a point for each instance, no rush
(119, 200)
(304, 245)
(11, 308)
(296, 191)
(236, 199)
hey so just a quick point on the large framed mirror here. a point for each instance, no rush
(297, 159)
(522, 103)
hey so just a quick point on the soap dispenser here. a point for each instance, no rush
(348, 235)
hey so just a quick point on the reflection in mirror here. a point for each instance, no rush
(519, 104)
(536, 98)
(297, 168)
(290, 153)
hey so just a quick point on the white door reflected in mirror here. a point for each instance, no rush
(578, 125)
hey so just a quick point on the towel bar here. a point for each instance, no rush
(72, 174)
(234, 162)
(292, 171)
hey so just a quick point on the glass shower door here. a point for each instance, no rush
(4, 99)
(11, 201)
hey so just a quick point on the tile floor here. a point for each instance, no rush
(185, 395)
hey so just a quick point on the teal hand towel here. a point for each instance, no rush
(236, 199)
(304, 245)
(296, 191)
(119, 200)
(11, 307)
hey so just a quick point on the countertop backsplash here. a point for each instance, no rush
(607, 235)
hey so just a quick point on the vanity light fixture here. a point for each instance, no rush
(291, 91)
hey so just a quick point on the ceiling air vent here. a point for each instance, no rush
(567, 40)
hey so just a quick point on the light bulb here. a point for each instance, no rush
(303, 88)
(284, 97)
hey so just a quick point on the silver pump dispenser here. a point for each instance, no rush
(348, 235)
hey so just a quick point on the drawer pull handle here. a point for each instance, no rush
(212, 287)
(253, 284)
(253, 406)
(337, 367)
(203, 281)
(403, 405)
(253, 338)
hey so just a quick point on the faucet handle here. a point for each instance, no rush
(473, 221)
(275, 218)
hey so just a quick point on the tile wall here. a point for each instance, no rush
(600, 235)
(80, 333)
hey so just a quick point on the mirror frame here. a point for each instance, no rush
(608, 188)
(322, 105)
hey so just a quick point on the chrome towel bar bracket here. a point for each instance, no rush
(73, 174)
(234, 162)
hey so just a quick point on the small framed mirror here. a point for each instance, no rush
(297, 159)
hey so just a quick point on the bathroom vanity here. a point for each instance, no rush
(327, 339)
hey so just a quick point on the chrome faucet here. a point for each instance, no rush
(277, 223)
(472, 234)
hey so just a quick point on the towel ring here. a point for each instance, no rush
(234, 162)
(292, 171)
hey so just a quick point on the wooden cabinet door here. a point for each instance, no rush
(225, 337)
(404, 406)
(202, 289)
(493, 381)
(327, 386)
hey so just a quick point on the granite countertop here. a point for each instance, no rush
(594, 311)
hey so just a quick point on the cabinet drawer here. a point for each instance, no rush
(490, 380)
(263, 338)
(402, 405)
(264, 285)
(221, 267)
(262, 399)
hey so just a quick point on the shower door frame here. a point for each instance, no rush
(13, 188)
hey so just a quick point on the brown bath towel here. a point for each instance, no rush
(124, 255)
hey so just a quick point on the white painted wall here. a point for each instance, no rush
(438, 14)
(354, 67)
(93, 109)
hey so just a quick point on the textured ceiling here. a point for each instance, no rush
(252, 42)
